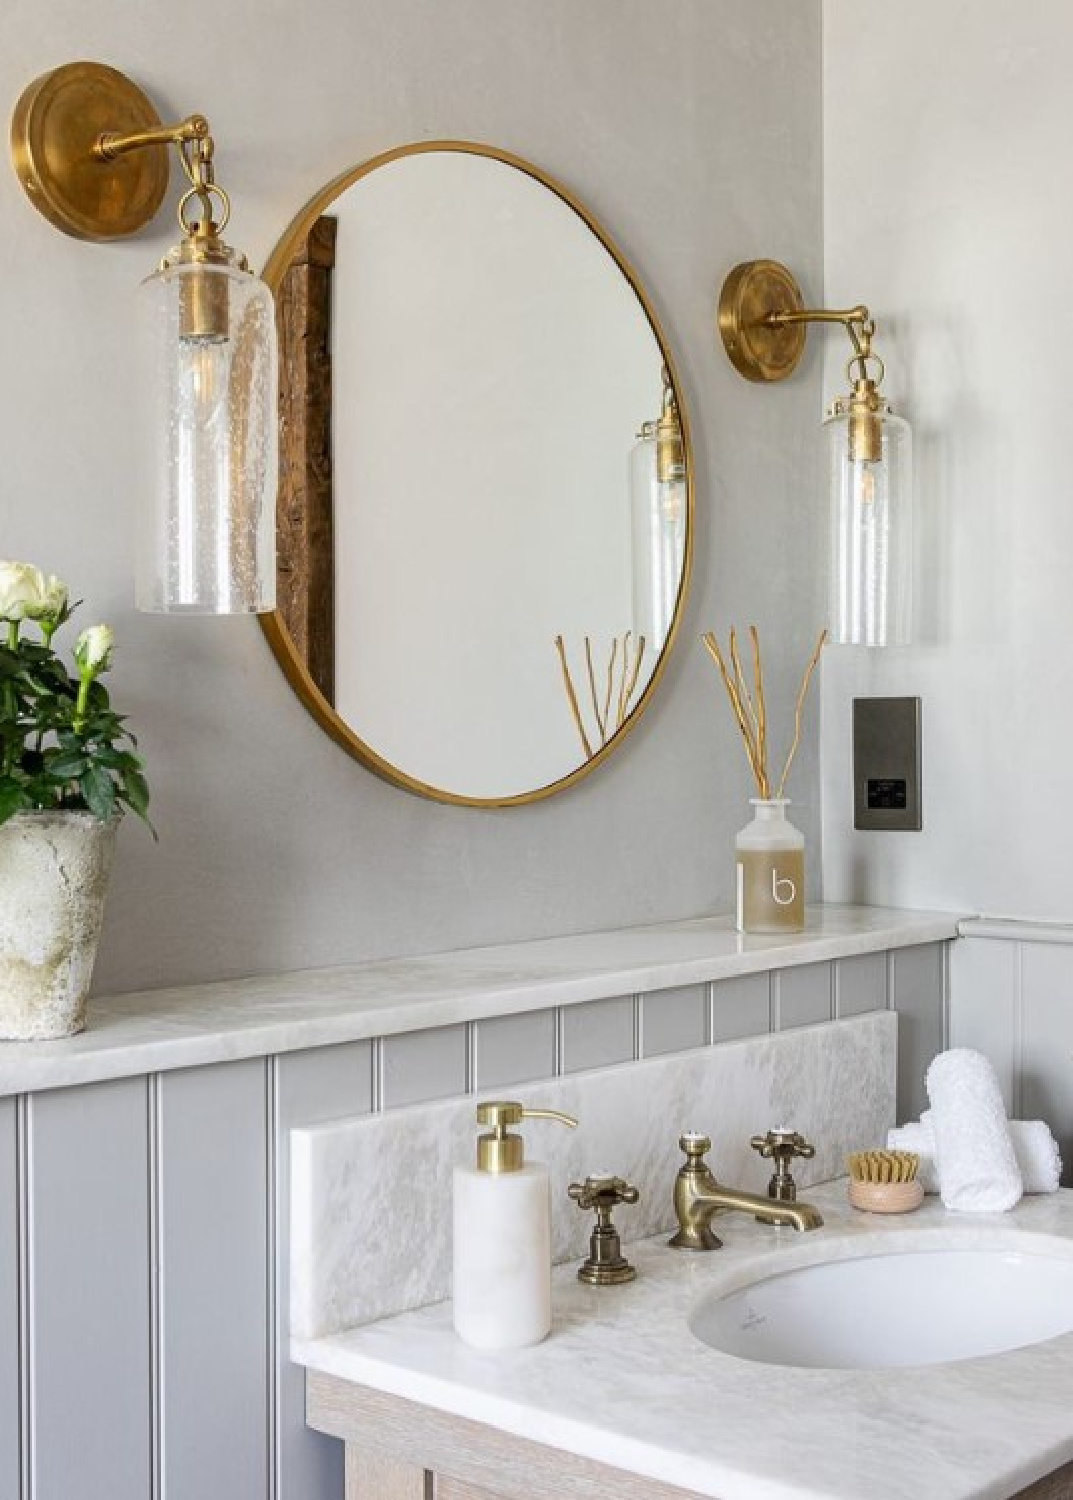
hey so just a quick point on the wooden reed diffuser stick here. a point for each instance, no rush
(749, 704)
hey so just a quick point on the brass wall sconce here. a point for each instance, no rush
(762, 321)
(93, 156)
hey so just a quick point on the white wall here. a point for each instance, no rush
(947, 137)
(692, 131)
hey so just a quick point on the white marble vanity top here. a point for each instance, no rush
(621, 1379)
(154, 1030)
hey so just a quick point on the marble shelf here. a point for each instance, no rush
(157, 1030)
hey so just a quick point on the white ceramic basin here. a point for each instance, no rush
(880, 1311)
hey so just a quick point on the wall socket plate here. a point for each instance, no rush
(886, 764)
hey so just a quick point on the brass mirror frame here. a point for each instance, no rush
(275, 630)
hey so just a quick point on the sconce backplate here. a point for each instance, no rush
(758, 348)
(57, 124)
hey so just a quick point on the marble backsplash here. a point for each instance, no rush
(371, 1196)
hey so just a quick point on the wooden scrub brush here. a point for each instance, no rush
(884, 1182)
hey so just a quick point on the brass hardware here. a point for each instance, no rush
(499, 1151)
(62, 145)
(762, 321)
(92, 154)
(290, 658)
(781, 1147)
(606, 1265)
(698, 1197)
(762, 341)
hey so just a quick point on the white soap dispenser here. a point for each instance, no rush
(502, 1235)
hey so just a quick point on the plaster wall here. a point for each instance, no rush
(693, 132)
(946, 215)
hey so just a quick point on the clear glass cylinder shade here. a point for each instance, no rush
(871, 562)
(657, 535)
(207, 535)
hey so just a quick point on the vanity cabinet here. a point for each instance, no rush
(397, 1450)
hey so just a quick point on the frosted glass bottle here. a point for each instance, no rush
(501, 1283)
(770, 870)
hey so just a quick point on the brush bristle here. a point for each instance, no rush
(883, 1166)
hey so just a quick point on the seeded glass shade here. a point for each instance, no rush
(207, 542)
(871, 563)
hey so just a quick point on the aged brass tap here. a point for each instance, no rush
(697, 1196)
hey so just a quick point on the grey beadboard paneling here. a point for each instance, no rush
(89, 1293)
(860, 984)
(741, 1007)
(597, 1034)
(513, 1049)
(9, 1303)
(214, 1282)
(918, 994)
(325, 1083)
(803, 996)
(423, 1065)
(674, 1020)
(1047, 1042)
(985, 1008)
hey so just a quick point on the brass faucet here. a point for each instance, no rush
(697, 1196)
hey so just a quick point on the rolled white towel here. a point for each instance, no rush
(1034, 1146)
(1037, 1155)
(979, 1167)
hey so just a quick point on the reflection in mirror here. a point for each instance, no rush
(485, 496)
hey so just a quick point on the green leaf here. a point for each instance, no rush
(136, 792)
(99, 792)
(12, 799)
(66, 765)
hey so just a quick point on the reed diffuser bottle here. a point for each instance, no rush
(769, 851)
(771, 870)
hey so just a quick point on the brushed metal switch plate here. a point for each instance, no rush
(886, 764)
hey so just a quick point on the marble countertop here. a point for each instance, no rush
(155, 1030)
(621, 1368)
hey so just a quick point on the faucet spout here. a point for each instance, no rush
(698, 1197)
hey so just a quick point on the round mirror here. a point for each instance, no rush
(485, 509)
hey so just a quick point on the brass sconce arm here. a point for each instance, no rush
(110, 144)
(762, 321)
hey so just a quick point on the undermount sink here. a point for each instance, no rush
(923, 1306)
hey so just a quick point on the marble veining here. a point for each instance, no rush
(371, 1196)
(620, 1368)
(155, 1030)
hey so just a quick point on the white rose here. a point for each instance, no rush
(93, 649)
(22, 591)
(54, 599)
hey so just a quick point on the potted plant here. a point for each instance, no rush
(68, 770)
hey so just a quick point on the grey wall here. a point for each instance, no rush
(692, 130)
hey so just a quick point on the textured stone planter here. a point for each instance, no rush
(54, 869)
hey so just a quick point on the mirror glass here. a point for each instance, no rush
(485, 504)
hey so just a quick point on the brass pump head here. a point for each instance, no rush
(498, 1150)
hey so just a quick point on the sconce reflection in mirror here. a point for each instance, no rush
(92, 154)
(762, 320)
(657, 513)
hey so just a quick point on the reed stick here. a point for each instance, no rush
(749, 704)
(619, 686)
(571, 697)
(800, 709)
(715, 652)
(629, 684)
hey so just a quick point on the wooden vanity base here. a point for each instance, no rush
(392, 1444)
(399, 1450)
